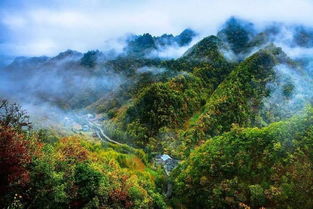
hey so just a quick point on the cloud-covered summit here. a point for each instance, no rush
(36, 27)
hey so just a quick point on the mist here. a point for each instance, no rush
(35, 28)
(292, 87)
(290, 93)
(61, 82)
(51, 89)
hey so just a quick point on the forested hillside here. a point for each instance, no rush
(228, 124)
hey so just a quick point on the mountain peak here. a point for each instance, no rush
(141, 45)
(237, 33)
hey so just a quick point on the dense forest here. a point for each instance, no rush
(229, 124)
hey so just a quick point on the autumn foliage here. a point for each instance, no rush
(70, 149)
(14, 158)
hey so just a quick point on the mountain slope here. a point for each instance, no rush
(269, 167)
(170, 104)
(237, 99)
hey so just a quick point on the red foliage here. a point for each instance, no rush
(71, 148)
(120, 198)
(14, 157)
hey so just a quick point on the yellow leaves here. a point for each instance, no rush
(277, 146)
(135, 163)
(132, 180)
(273, 192)
(203, 180)
(107, 155)
(244, 206)
(70, 148)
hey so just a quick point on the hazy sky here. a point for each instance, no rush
(39, 27)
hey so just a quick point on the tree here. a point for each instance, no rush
(15, 155)
(11, 115)
(15, 151)
(268, 167)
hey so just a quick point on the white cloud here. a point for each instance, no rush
(39, 27)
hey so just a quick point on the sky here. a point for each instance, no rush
(39, 27)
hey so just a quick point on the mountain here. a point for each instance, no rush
(144, 44)
(171, 103)
(226, 125)
(237, 33)
(238, 98)
(251, 167)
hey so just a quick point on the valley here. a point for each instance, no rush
(226, 124)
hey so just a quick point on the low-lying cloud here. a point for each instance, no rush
(36, 27)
